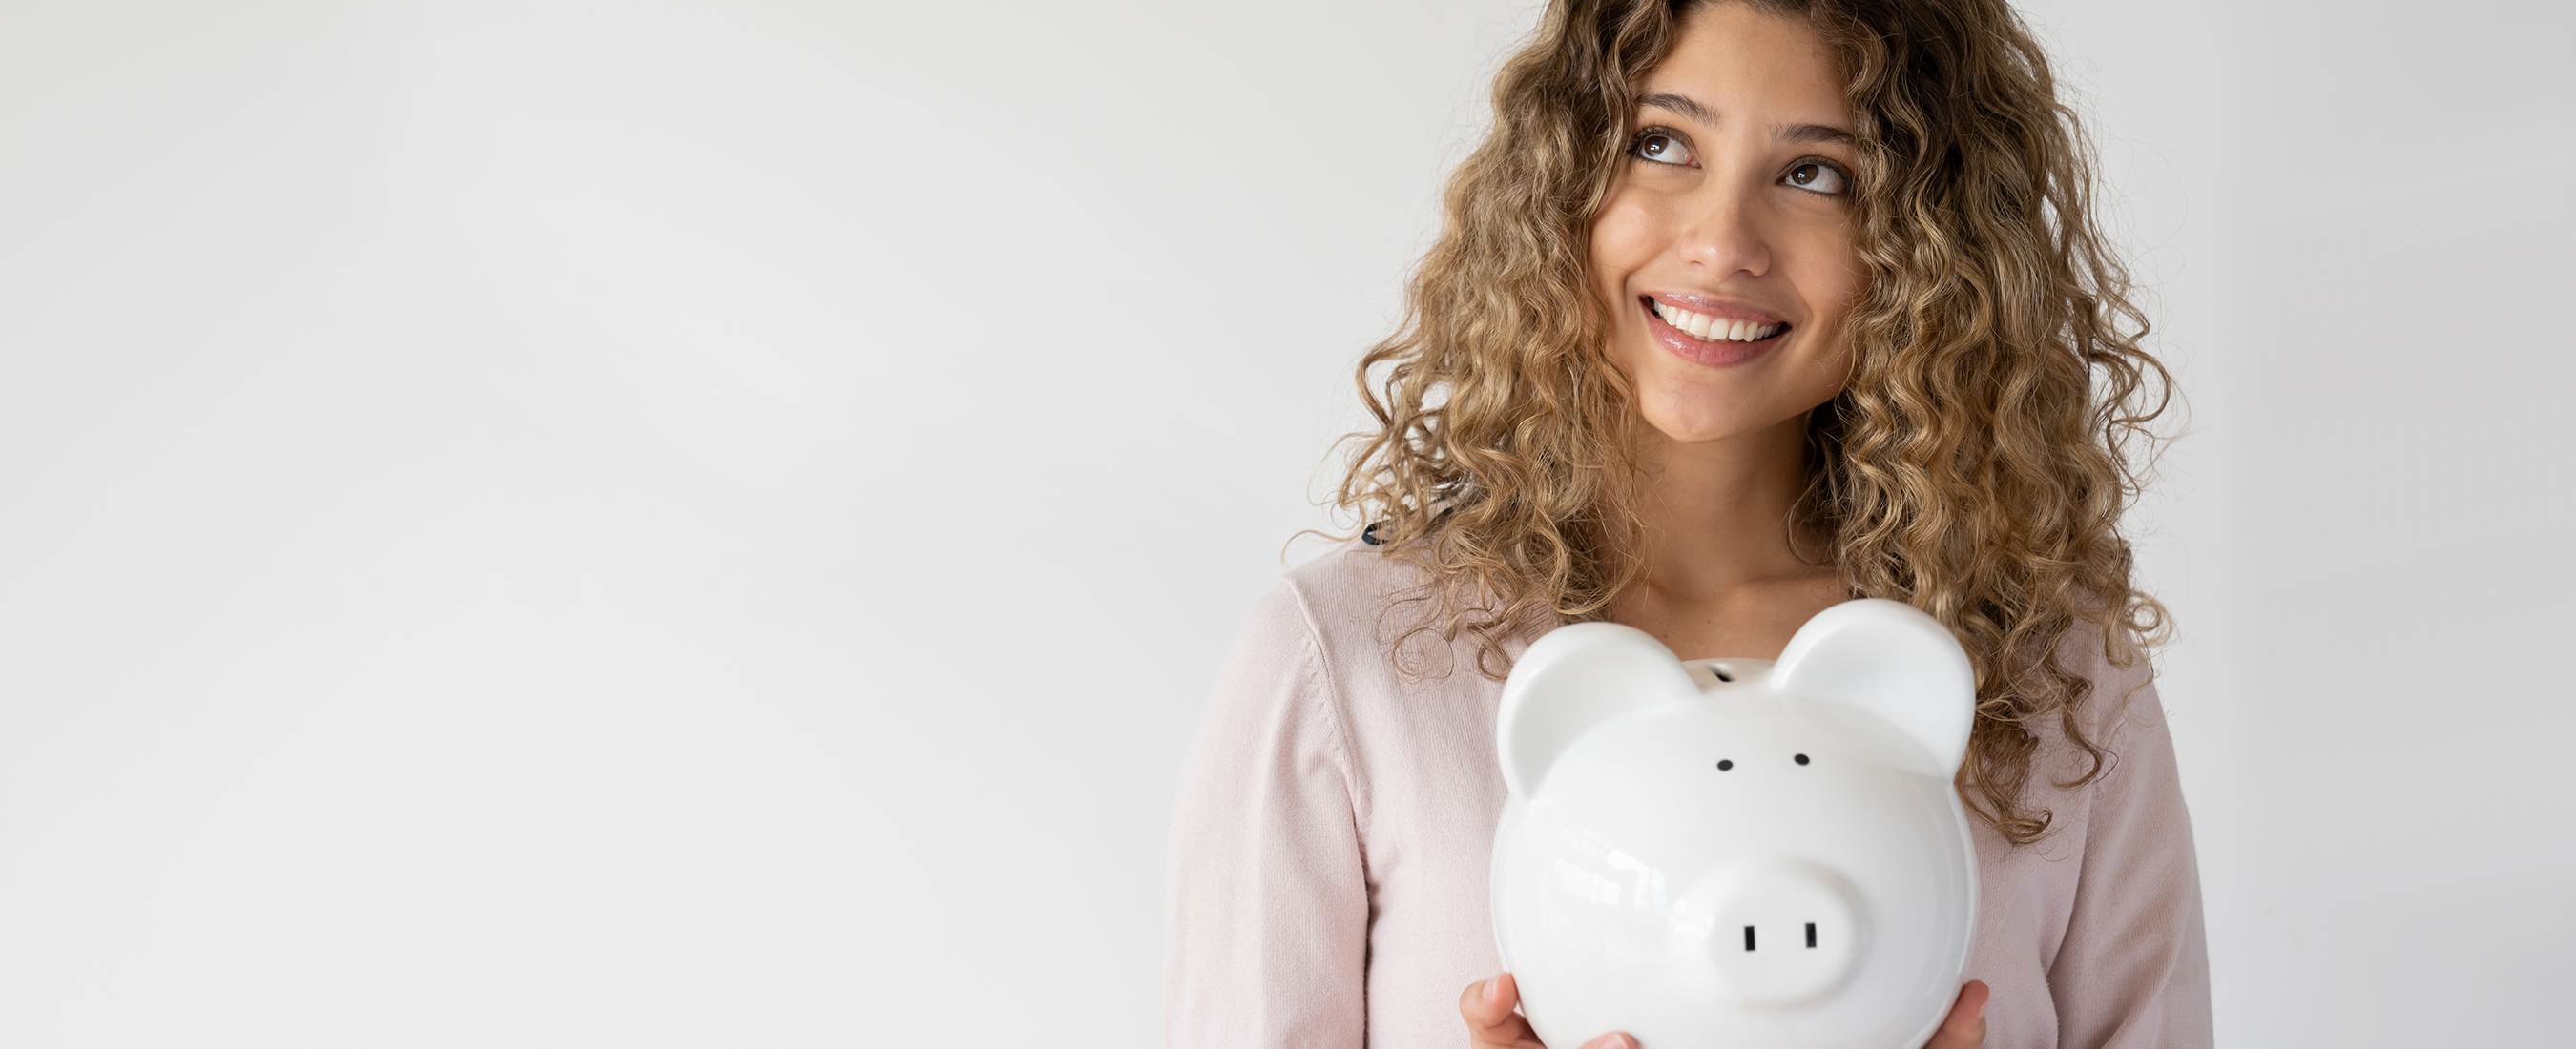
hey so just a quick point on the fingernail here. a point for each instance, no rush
(1494, 989)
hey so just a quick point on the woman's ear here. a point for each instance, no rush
(1887, 660)
(1574, 678)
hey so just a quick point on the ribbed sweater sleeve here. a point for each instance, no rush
(2133, 971)
(1269, 908)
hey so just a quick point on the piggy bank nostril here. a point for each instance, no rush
(1802, 759)
(1749, 938)
(1812, 916)
(1725, 764)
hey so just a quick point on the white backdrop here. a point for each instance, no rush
(710, 523)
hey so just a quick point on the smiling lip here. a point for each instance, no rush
(1712, 352)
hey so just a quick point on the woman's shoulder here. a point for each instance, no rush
(1343, 602)
(1311, 643)
(1367, 613)
(2111, 745)
(1355, 579)
(2119, 697)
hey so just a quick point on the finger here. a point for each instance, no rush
(1491, 1024)
(1965, 1028)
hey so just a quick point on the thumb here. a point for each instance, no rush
(1966, 1026)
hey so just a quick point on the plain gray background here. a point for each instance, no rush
(689, 524)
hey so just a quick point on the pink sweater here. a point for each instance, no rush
(1330, 851)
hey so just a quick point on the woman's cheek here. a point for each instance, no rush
(1829, 279)
(1839, 274)
(1622, 237)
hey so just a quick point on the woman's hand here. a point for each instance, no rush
(1491, 1023)
(1966, 1027)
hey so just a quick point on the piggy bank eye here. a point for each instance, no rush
(1725, 765)
(1802, 759)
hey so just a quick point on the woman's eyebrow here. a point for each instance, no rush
(1803, 133)
(1812, 133)
(1681, 104)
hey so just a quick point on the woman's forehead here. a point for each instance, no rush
(1730, 62)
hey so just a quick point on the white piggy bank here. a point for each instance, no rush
(1734, 852)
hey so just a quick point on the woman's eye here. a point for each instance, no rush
(1819, 177)
(1662, 148)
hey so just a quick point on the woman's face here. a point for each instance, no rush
(1725, 248)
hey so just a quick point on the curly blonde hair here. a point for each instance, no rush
(1977, 464)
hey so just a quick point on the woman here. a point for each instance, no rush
(1744, 309)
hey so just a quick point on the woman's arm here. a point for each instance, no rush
(1268, 926)
(2133, 970)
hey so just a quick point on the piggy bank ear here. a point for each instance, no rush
(1574, 678)
(1886, 660)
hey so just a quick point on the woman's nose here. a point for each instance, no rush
(1723, 238)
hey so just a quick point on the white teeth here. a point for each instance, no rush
(1703, 326)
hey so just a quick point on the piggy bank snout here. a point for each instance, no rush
(1784, 933)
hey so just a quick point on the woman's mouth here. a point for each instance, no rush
(1710, 339)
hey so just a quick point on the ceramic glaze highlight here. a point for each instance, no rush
(1733, 852)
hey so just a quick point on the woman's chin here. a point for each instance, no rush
(1685, 426)
(1684, 407)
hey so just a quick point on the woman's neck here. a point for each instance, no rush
(1717, 573)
